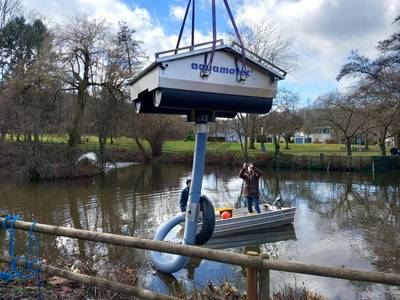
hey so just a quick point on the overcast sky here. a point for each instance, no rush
(323, 31)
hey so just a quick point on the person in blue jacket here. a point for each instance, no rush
(185, 196)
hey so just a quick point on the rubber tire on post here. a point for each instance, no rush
(207, 228)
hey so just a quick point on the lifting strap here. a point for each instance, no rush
(207, 69)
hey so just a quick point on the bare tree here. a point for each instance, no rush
(284, 119)
(81, 47)
(265, 40)
(383, 76)
(132, 53)
(345, 113)
(268, 42)
(383, 116)
(155, 130)
(9, 9)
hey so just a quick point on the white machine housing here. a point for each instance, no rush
(174, 82)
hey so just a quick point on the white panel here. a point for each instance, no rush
(224, 73)
(149, 81)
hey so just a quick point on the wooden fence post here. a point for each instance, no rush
(264, 282)
(251, 280)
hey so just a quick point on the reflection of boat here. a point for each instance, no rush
(258, 237)
(243, 222)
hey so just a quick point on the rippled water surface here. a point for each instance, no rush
(342, 220)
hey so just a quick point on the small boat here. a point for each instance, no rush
(258, 237)
(243, 222)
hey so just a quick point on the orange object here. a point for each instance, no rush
(226, 215)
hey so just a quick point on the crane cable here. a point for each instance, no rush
(207, 68)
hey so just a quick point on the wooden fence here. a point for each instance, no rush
(260, 265)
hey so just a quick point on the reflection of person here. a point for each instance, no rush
(251, 176)
(185, 196)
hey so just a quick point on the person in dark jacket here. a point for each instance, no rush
(251, 176)
(185, 196)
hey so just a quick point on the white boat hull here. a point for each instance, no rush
(241, 223)
(258, 237)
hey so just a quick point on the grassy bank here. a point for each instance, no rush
(172, 146)
(330, 157)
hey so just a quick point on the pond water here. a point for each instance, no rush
(342, 220)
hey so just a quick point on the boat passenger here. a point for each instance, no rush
(185, 196)
(251, 176)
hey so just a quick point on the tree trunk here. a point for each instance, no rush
(263, 146)
(397, 140)
(12, 136)
(366, 142)
(156, 147)
(246, 146)
(252, 142)
(276, 144)
(102, 143)
(287, 143)
(111, 140)
(75, 132)
(252, 123)
(382, 146)
(18, 137)
(348, 146)
(145, 156)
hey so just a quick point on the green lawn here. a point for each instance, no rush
(91, 142)
(295, 149)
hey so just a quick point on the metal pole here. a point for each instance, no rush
(193, 208)
(193, 21)
(182, 27)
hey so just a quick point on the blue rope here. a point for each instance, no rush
(27, 271)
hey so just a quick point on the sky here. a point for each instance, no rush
(322, 32)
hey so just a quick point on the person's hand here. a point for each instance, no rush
(251, 166)
(244, 165)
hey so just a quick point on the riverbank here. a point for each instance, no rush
(53, 287)
(305, 162)
(53, 161)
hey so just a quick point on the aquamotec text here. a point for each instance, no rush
(222, 70)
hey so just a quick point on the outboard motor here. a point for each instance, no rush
(278, 203)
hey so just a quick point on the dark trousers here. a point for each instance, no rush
(250, 204)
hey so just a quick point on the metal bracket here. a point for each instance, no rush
(193, 211)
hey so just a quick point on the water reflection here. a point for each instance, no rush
(342, 219)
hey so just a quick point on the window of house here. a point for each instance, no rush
(326, 130)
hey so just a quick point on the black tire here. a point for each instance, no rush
(208, 225)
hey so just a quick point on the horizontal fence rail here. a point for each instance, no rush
(95, 281)
(256, 262)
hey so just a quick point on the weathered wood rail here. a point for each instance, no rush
(95, 281)
(261, 264)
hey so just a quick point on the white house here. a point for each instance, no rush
(225, 129)
(313, 135)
